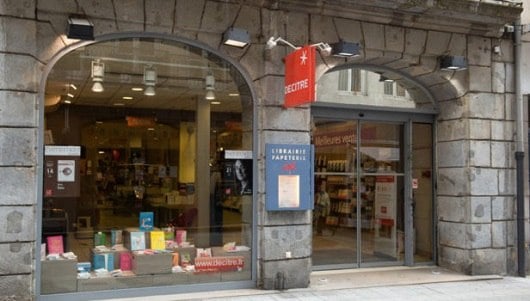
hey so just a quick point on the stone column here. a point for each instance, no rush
(283, 232)
(18, 145)
(476, 179)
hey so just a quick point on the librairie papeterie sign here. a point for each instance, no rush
(300, 77)
(289, 176)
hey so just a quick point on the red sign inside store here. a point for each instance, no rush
(300, 77)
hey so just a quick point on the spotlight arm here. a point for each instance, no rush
(273, 42)
(322, 47)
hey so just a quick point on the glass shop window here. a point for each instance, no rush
(148, 169)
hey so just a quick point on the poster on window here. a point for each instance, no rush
(237, 172)
(66, 170)
(385, 215)
(61, 171)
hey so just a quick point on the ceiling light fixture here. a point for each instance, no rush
(137, 89)
(98, 71)
(345, 49)
(209, 86)
(73, 86)
(453, 63)
(80, 28)
(237, 37)
(149, 81)
(383, 78)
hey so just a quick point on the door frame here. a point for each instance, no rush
(406, 119)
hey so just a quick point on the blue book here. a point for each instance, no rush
(146, 221)
(84, 267)
(116, 237)
(103, 261)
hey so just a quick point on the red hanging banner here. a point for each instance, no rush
(300, 77)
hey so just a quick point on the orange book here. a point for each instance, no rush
(175, 259)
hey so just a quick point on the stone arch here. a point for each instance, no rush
(435, 84)
(239, 73)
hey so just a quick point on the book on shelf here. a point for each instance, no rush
(100, 239)
(103, 261)
(116, 237)
(137, 240)
(55, 244)
(146, 221)
(125, 261)
(158, 241)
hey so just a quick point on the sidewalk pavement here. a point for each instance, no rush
(400, 283)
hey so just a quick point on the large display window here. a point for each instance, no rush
(148, 169)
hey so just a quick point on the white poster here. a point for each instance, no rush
(385, 240)
(288, 191)
(65, 170)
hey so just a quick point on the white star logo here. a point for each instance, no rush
(303, 58)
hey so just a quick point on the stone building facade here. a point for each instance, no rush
(475, 125)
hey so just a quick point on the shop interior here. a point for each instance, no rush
(358, 218)
(154, 123)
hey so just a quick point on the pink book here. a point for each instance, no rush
(180, 236)
(125, 261)
(55, 244)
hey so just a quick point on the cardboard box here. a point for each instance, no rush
(96, 284)
(58, 276)
(143, 264)
(171, 279)
(133, 281)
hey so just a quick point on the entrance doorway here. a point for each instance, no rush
(361, 171)
(372, 129)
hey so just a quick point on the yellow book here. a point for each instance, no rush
(158, 241)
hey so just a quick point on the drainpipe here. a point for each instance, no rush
(519, 153)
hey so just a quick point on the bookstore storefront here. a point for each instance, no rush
(373, 143)
(147, 169)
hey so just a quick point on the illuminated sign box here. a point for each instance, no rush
(289, 175)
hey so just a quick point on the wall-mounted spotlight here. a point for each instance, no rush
(209, 86)
(237, 37)
(149, 81)
(453, 63)
(346, 49)
(98, 71)
(80, 28)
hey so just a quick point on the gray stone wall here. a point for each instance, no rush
(475, 130)
(476, 182)
(20, 72)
